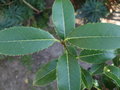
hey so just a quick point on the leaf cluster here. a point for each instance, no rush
(99, 43)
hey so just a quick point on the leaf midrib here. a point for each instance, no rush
(85, 80)
(63, 19)
(117, 81)
(30, 40)
(90, 55)
(68, 70)
(97, 69)
(45, 75)
(85, 37)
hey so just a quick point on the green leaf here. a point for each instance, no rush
(87, 79)
(24, 40)
(97, 69)
(96, 56)
(107, 82)
(68, 73)
(102, 36)
(46, 74)
(113, 73)
(72, 50)
(63, 17)
(116, 61)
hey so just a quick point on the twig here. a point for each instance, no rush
(29, 5)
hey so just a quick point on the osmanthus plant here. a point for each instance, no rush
(99, 43)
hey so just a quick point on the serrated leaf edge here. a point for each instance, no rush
(42, 78)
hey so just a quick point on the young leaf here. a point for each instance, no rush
(72, 50)
(24, 40)
(63, 17)
(96, 56)
(96, 36)
(46, 74)
(87, 79)
(113, 73)
(68, 73)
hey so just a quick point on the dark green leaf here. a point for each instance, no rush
(96, 56)
(116, 61)
(46, 74)
(97, 68)
(87, 79)
(68, 73)
(63, 17)
(102, 36)
(113, 73)
(24, 40)
(107, 82)
(72, 50)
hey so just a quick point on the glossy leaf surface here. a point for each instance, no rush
(102, 36)
(63, 17)
(68, 73)
(24, 40)
(46, 74)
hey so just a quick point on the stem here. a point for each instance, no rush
(66, 47)
(33, 8)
